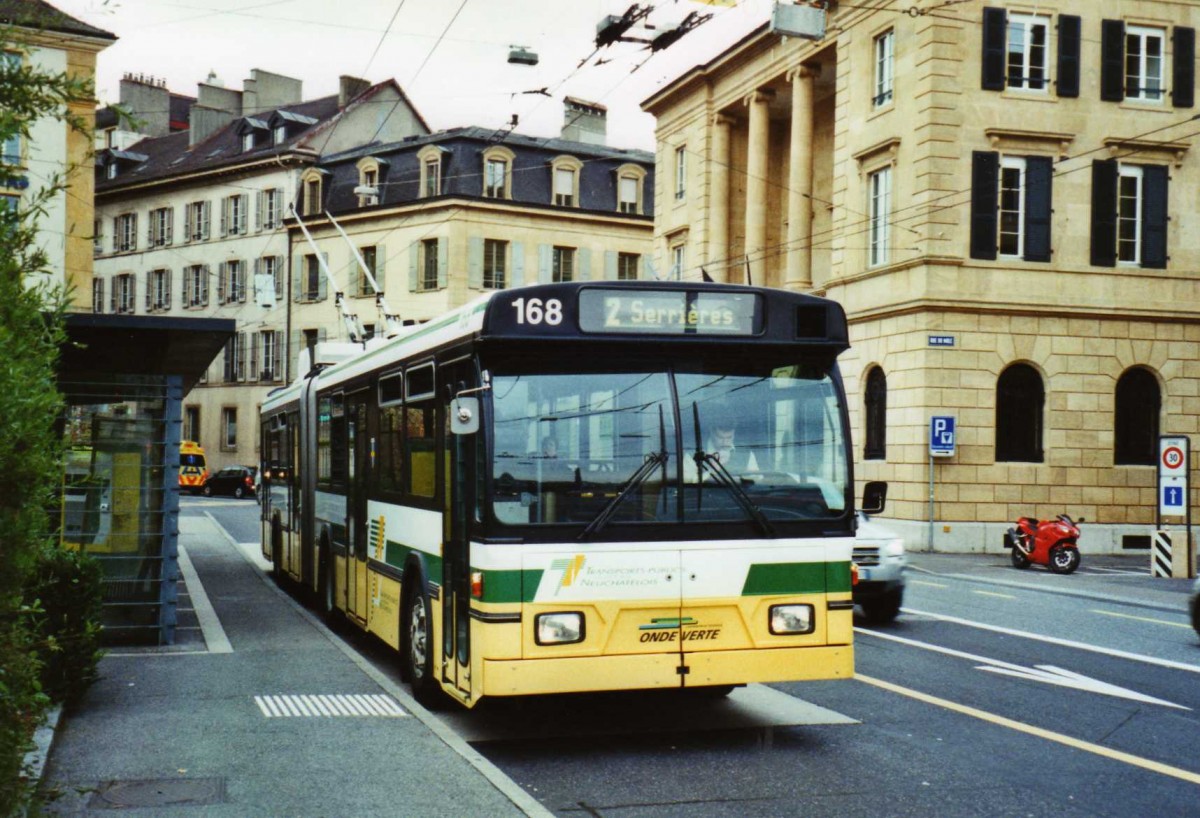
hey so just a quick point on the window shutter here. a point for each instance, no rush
(1184, 45)
(132, 294)
(516, 276)
(222, 285)
(475, 262)
(204, 274)
(585, 264)
(149, 288)
(995, 24)
(116, 245)
(277, 362)
(648, 273)
(278, 268)
(225, 216)
(1154, 217)
(380, 266)
(260, 204)
(322, 279)
(298, 278)
(985, 178)
(166, 289)
(443, 245)
(241, 281)
(112, 297)
(610, 265)
(1112, 60)
(150, 229)
(1039, 205)
(1069, 27)
(1104, 212)
(187, 223)
(414, 260)
(293, 350)
(545, 263)
(252, 373)
(354, 277)
(205, 220)
(244, 200)
(241, 356)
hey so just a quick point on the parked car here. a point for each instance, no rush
(236, 480)
(1194, 605)
(879, 555)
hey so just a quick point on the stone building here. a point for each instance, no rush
(997, 194)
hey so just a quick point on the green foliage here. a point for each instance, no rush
(64, 598)
(31, 333)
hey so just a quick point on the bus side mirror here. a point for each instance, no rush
(464, 416)
(874, 497)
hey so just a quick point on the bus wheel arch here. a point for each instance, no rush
(416, 634)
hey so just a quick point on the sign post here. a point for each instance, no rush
(941, 444)
(1174, 453)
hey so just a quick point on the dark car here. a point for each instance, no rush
(236, 480)
(1194, 605)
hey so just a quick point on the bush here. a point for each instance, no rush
(64, 595)
(22, 707)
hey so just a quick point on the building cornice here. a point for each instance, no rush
(277, 162)
(438, 204)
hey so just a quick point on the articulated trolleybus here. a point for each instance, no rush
(579, 487)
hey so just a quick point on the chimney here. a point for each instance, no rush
(264, 91)
(584, 121)
(216, 106)
(349, 88)
(148, 102)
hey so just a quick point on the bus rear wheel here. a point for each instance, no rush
(417, 651)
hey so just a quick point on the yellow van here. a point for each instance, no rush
(193, 468)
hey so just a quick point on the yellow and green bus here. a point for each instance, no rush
(578, 487)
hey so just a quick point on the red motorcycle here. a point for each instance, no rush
(1049, 542)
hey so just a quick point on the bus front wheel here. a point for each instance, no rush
(418, 648)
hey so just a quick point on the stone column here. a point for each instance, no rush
(756, 185)
(718, 205)
(800, 182)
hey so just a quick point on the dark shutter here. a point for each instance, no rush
(1183, 42)
(1154, 217)
(985, 180)
(1112, 60)
(1104, 212)
(1039, 177)
(1068, 55)
(995, 25)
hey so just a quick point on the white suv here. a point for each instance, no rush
(879, 555)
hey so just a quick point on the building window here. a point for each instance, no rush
(310, 283)
(1135, 422)
(627, 266)
(229, 436)
(628, 194)
(1020, 401)
(235, 358)
(97, 294)
(162, 222)
(678, 260)
(110, 170)
(433, 177)
(680, 172)
(123, 292)
(191, 423)
(312, 196)
(370, 257)
(198, 216)
(562, 264)
(270, 203)
(247, 141)
(1129, 214)
(233, 215)
(1026, 60)
(270, 341)
(879, 185)
(97, 237)
(272, 266)
(495, 184)
(231, 282)
(368, 180)
(125, 233)
(10, 152)
(884, 68)
(1010, 206)
(1144, 53)
(429, 266)
(495, 256)
(195, 286)
(875, 411)
(158, 290)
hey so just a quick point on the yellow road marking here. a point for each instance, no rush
(923, 582)
(993, 593)
(1142, 618)
(1021, 727)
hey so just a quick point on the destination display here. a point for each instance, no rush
(665, 312)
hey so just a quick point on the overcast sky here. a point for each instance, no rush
(450, 56)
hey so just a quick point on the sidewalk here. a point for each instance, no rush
(190, 730)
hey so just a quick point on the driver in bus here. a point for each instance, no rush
(722, 444)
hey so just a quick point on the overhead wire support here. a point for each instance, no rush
(391, 320)
(353, 326)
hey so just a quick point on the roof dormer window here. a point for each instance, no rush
(285, 124)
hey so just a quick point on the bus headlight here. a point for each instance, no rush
(558, 628)
(791, 619)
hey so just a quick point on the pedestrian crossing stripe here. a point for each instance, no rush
(329, 706)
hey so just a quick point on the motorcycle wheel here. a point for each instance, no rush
(1019, 560)
(1063, 560)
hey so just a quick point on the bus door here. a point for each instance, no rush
(358, 476)
(458, 455)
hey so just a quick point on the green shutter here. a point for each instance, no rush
(585, 264)
(475, 262)
(516, 276)
(322, 279)
(443, 245)
(545, 263)
(610, 265)
(414, 259)
(298, 278)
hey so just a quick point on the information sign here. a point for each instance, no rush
(941, 436)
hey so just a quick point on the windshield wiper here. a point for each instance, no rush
(653, 461)
(724, 478)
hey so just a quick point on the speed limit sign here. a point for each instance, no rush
(1172, 456)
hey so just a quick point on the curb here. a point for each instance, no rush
(43, 737)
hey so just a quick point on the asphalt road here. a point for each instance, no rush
(996, 692)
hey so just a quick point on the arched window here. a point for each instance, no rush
(875, 406)
(1135, 421)
(1020, 401)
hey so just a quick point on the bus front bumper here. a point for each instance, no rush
(664, 670)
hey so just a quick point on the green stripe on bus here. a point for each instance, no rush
(395, 554)
(797, 578)
(511, 586)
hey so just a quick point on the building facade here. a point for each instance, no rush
(994, 193)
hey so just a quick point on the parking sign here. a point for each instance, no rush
(941, 436)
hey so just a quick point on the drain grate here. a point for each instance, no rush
(161, 792)
(329, 706)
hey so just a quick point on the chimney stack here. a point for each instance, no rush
(349, 88)
(148, 102)
(584, 121)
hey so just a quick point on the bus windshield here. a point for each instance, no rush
(668, 447)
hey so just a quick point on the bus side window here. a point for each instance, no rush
(421, 447)
(390, 455)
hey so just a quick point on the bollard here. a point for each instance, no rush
(1161, 563)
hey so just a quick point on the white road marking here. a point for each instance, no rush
(1054, 640)
(1040, 673)
(928, 584)
(993, 593)
(210, 624)
(1141, 618)
(326, 706)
